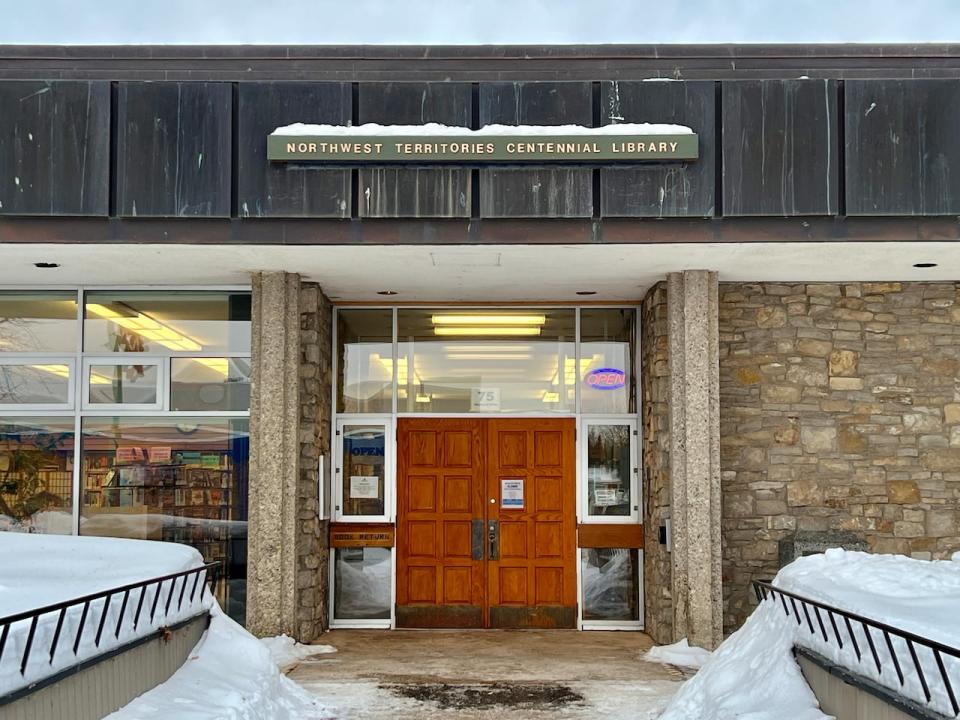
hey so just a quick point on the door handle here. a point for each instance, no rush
(476, 539)
(493, 539)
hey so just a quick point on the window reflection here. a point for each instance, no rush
(365, 366)
(608, 469)
(38, 322)
(608, 337)
(43, 383)
(173, 479)
(362, 583)
(487, 361)
(164, 322)
(611, 584)
(36, 471)
(205, 384)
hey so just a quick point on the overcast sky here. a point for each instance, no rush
(477, 21)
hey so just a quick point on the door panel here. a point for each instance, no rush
(440, 491)
(533, 580)
(463, 561)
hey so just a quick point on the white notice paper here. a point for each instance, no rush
(511, 493)
(364, 487)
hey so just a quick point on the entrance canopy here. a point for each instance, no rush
(476, 273)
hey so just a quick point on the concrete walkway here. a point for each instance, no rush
(488, 674)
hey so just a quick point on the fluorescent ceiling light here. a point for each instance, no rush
(488, 319)
(551, 397)
(483, 347)
(488, 356)
(64, 372)
(147, 327)
(486, 330)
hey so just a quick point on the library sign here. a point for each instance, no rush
(431, 144)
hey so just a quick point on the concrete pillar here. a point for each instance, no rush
(695, 456)
(274, 455)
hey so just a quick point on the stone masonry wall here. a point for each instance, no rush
(840, 413)
(315, 432)
(655, 388)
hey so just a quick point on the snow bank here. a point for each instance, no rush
(229, 676)
(300, 129)
(680, 654)
(39, 570)
(286, 652)
(753, 673)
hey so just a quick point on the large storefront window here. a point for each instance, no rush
(161, 393)
(487, 361)
(179, 480)
(36, 474)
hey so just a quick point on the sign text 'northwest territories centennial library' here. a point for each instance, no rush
(581, 337)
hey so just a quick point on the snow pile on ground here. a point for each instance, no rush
(681, 654)
(40, 570)
(302, 129)
(753, 673)
(287, 652)
(230, 675)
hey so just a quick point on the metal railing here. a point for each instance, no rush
(888, 633)
(199, 576)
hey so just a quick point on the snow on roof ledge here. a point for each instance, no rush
(373, 129)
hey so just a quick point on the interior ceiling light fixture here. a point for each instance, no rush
(46, 265)
(925, 265)
(586, 292)
(489, 356)
(460, 330)
(386, 292)
(488, 319)
(146, 327)
(64, 372)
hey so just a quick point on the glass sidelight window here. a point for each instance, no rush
(364, 474)
(363, 577)
(611, 584)
(607, 356)
(610, 470)
(365, 361)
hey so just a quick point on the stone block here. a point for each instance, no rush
(843, 363)
(806, 375)
(780, 394)
(802, 493)
(817, 348)
(818, 439)
(942, 460)
(941, 523)
(846, 383)
(905, 529)
(951, 413)
(748, 376)
(903, 491)
(771, 316)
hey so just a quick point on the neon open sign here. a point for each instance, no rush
(606, 379)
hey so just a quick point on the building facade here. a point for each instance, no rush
(504, 391)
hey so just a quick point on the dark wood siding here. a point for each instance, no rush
(780, 147)
(543, 191)
(54, 148)
(902, 147)
(668, 189)
(411, 192)
(286, 189)
(173, 149)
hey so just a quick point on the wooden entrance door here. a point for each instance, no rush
(486, 533)
(532, 576)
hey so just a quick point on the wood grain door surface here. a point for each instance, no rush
(462, 559)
